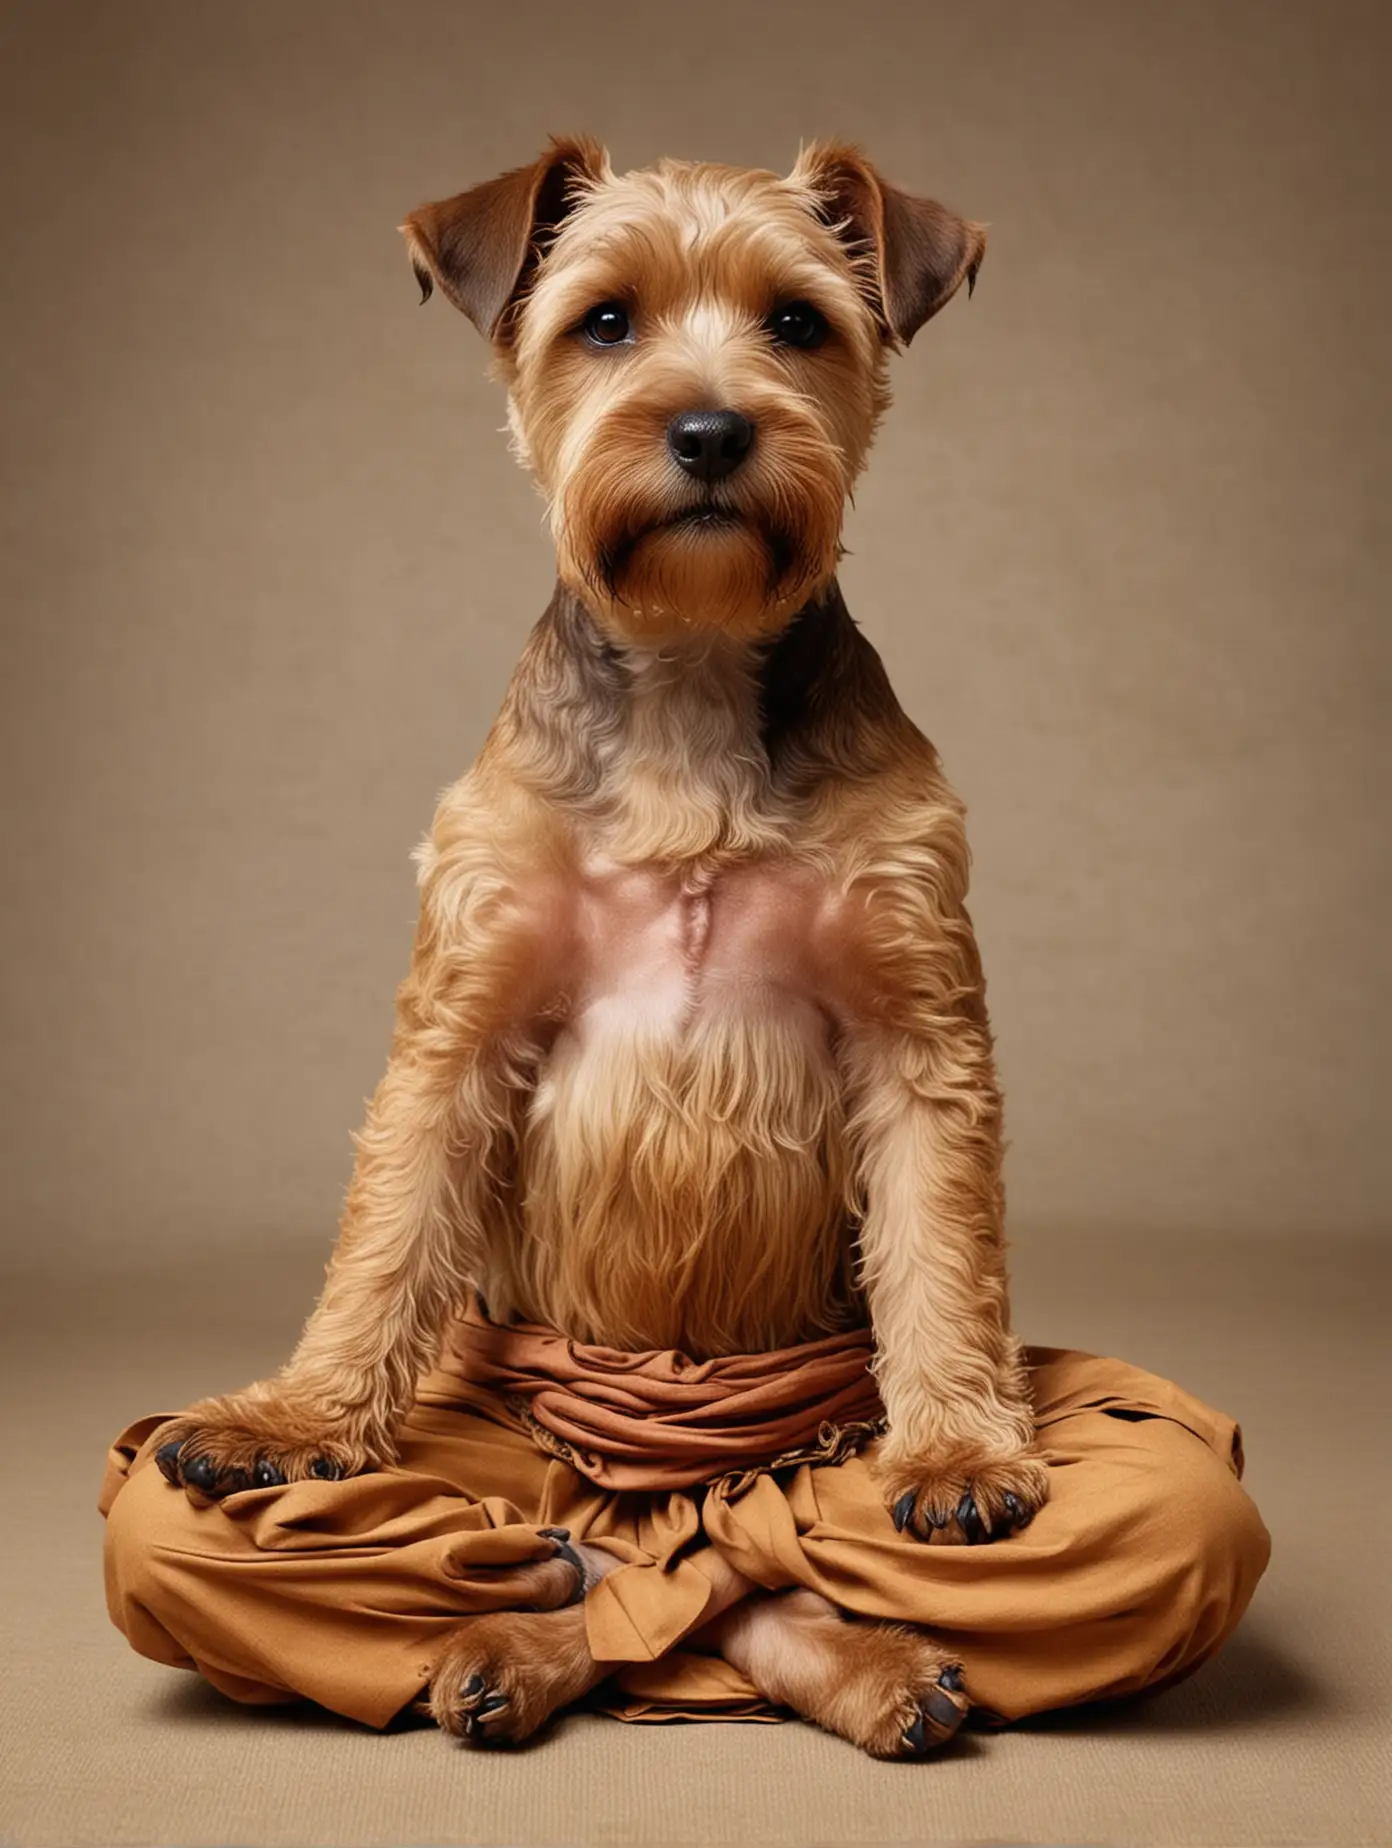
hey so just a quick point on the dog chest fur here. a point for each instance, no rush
(682, 1164)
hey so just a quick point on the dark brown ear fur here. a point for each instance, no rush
(481, 245)
(919, 252)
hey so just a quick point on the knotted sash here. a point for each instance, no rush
(660, 1420)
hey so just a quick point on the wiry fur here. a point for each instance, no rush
(694, 1049)
(713, 246)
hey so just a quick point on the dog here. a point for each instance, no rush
(693, 1051)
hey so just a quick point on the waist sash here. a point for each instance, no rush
(660, 1420)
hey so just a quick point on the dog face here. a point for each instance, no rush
(696, 359)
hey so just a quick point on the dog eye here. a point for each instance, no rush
(797, 324)
(607, 325)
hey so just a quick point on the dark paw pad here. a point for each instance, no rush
(946, 1712)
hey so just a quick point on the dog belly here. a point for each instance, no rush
(682, 1178)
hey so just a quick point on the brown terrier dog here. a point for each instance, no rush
(693, 1051)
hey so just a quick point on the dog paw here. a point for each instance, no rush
(892, 1689)
(258, 1440)
(501, 1676)
(897, 1696)
(967, 1504)
(939, 1712)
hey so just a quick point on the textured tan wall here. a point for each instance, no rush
(267, 565)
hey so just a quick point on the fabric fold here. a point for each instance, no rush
(660, 1420)
(1134, 1571)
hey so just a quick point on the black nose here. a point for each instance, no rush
(709, 444)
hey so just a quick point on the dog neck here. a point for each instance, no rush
(699, 750)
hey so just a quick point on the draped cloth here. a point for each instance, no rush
(1138, 1566)
(659, 1420)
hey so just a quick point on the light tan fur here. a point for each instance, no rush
(890, 1689)
(694, 1050)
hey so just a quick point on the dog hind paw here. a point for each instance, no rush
(941, 1712)
(501, 1676)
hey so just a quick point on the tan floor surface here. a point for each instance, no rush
(1284, 1739)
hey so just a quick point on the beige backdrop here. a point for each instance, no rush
(268, 564)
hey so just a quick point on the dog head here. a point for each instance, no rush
(695, 357)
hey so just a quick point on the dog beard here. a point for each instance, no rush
(707, 566)
(743, 569)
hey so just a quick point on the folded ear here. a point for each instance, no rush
(916, 253)
(481, 245)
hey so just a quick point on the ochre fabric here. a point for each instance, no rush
(1138, 1568)
(659, 1420)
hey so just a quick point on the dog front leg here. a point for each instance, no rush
(956, 1461)
(405, 1252)
(420, 1207)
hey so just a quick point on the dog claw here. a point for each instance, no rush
(970, 1522)
(474, 1721)
(565, 1551)
(916, 1738)
(201, 1474)
(939, 1717)
(916, 1509)
(1020, 1515)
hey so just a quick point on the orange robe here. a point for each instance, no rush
(1136, 1570)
